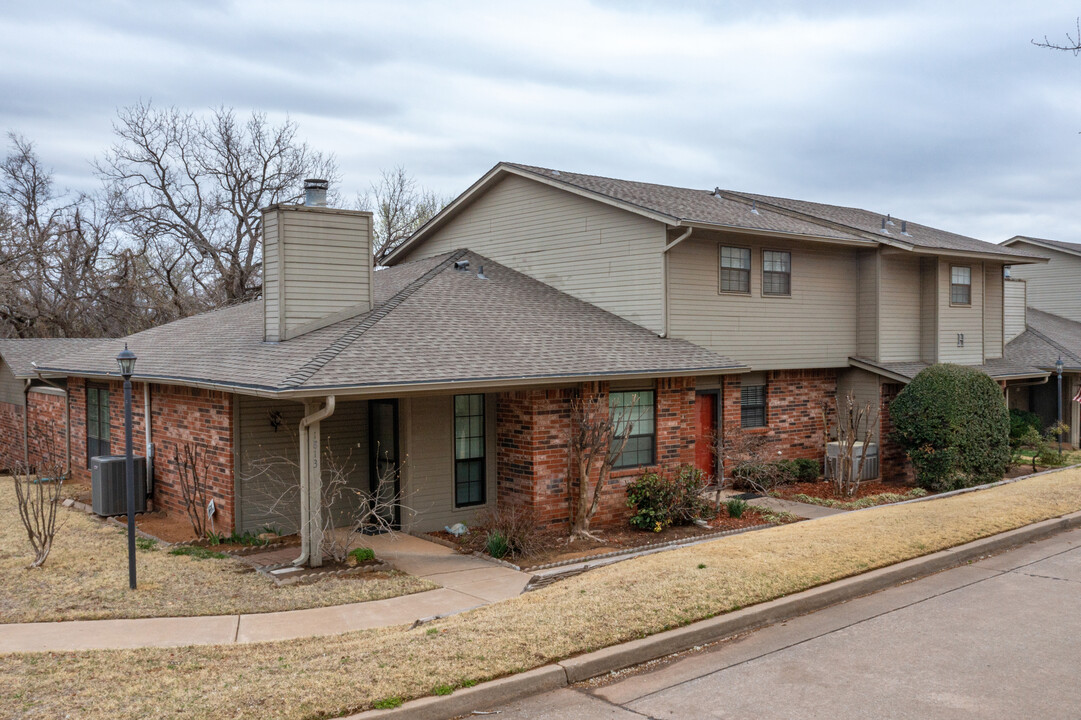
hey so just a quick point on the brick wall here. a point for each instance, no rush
(177, 415)
(894, 464)
(47, 431)
(793, 410)
(11, 435)
(532, 457)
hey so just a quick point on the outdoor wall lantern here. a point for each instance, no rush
(126, 361)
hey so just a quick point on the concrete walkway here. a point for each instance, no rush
(467, 581)
(803, 510)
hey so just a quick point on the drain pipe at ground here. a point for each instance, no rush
(311, 480)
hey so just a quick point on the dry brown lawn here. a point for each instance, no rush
(86, 577)
(327, 677)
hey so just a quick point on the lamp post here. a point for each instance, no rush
(126, 361)
(1058, 371)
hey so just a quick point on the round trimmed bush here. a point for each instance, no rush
(953, 423)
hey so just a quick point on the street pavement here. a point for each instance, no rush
(998, 638)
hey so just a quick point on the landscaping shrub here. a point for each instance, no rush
(953, 423)
(800, 469)
(660, 500)
(1042, 447)
(362, 554)
(497, 545)
(736, 507)
(1021, 421)
(516, 527)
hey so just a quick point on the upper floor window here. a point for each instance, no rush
(735, 269)
(960, 285)
(776, 272)
(636, 409)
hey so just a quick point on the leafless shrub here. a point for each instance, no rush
(516, 524)
(37, 494)
(853, 421)
(752, 461)
(192, 470)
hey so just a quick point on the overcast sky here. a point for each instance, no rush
(942, 113)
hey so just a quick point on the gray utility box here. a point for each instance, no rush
(109, 487)
(870, 461)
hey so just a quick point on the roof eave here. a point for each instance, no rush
(704, 225)
(997, 257)
(1041, 244)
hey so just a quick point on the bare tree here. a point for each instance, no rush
(37, 494)
(192, 471)
(596, 439)
(751, 459)
(1072, 44)
(399, 207)
(854, 421)
(191, 189)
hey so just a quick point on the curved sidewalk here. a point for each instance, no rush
(468, 582)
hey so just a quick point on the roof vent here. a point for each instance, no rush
(480, 273)
(889, 220)
(461, 264)
(315, 192)
(904, 228)
(884, 230)
(716, 192)
(754, 206)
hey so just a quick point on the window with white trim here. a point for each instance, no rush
(776, 272)
(735, 269)
(469, 484)
(635, 408)
(960, 285)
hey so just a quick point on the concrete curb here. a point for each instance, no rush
(618, 657)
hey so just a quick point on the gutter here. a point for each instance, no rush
(311, 504)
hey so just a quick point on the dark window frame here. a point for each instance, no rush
(467, 464)
(768, 276)
(966, 286)
(636, 441)
(96, 445)
(744, 272)
(750, 410)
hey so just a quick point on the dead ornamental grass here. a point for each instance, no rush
(328, 677)
(86, 578)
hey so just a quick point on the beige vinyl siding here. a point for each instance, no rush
(1054, 287)
(815, 327)
(267, 480)
(11, 387)
(1014, 313)
(321, 267)
(929, 295)
(864, 387)
(597, 253)
(428, 474)
(992, 311)
(899, 308)
(869, 282)
(960, 319)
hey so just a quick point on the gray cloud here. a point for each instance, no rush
(945, 115)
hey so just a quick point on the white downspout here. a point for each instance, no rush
(664, 271)
(311, 485)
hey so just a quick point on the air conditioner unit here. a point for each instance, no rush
(109, 487)
(870, 461)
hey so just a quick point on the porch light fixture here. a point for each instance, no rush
(126, 362)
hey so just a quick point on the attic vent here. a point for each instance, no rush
(480, 273)
(754, 206)
(889, 220)
(884, 230)
(716, 192)
(904, 228)
(461, 264)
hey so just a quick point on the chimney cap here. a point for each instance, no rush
(316, 184)
(315, 192)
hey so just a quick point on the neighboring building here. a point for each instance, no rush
(1055, 287)
(815, 298)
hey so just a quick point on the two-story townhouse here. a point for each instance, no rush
(816, 299)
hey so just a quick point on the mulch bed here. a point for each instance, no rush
(825, 490)
(557, 549)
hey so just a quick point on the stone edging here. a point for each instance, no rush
(607, 660)
(265, 571)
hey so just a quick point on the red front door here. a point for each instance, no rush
(705, 435)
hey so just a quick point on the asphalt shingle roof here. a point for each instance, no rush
(999, 369)
(1047, 338)
(774, 214)
(1060, 244)
(432, 324)
(20, 354)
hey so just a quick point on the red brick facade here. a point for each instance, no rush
(47, 432)
(893, 461)
(532, 456)
(11, 433)
(178, 415)
(794, 401)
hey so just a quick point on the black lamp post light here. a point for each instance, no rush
(126, 361)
